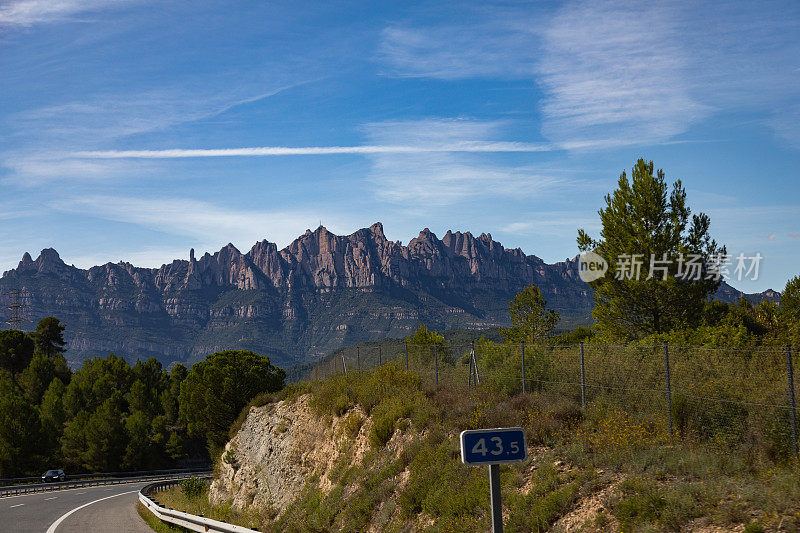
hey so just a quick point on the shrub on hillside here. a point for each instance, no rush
(192, 487)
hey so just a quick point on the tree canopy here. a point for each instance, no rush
(649, 229)
(16, 350)
(530, 318)
(217, 389)
(790, 299)
(110, 415)
(49, 336)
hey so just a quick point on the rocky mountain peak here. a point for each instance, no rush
(49, 255)
(26, 260)
(377, 230)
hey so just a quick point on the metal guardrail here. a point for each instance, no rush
(46, 487)
(179, 518)
(4, 482)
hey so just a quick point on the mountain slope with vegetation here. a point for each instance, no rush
(320, 293)
(378, 451)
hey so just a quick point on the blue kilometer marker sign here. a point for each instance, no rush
(493, 446)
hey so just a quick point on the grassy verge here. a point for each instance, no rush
(154, 523)
(197, 503)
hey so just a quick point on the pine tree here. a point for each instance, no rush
(643, 222)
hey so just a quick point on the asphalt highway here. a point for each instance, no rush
(102, 509)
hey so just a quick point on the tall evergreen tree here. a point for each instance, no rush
(49, 336)
(646, 224)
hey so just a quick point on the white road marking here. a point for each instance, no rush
(53, 498)
(18, 505)
(66, 515)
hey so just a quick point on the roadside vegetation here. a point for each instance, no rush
(191, 496)
(598, 468)
(611, 464)
(110, 416)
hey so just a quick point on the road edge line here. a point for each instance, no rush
(66, 515)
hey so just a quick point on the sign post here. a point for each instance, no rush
(494, 447)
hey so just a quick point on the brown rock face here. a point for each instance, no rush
(317, 294)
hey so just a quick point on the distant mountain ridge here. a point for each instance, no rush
(319, 293)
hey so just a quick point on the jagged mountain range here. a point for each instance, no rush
(319, 293)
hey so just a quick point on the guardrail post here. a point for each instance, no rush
(669, 389)
(790, 374)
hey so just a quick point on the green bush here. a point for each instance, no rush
(385, 417)
(192, 487)
(352, 425)
(440, 486)
(644, 502)
(723, 421)
(777, 438)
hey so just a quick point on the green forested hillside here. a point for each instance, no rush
(110, 415)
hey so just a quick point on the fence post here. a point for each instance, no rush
(469, 378)
(358, 355)
(436, 364)
(790, 373)
(406, 355)
(583, 381)
(473, 363)
(669, 388)
(523, 367)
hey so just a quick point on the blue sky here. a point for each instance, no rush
(135, 130)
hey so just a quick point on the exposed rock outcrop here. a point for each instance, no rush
(317, 294)
(279, 448)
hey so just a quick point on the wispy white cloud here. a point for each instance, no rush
(786, 125)
(455, 146)
(209, 224)
(28, 12)
(105, 117)
(499, 46)
(624, 71)
(552, 223)
(33, 169)
(445, 177)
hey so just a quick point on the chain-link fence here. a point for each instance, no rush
(727, 395)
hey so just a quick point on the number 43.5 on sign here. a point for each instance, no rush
(493, 446)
